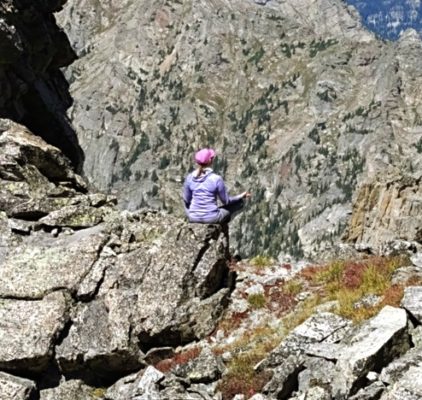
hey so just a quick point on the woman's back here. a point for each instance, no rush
(201, 189)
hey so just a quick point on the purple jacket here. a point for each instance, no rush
(200, 196)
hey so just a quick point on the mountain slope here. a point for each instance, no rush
(299, 100)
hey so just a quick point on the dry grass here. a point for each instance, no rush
(293, 287)
(232, 321)
(257, 340)
(248, 350)
(99, 392)
(309, 272)
(301, 314)
(261, 262)
(257, 300)
(238, 383)
(347, 282)
(281, 298)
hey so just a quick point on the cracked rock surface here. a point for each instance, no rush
(90, 299)
(29, 331)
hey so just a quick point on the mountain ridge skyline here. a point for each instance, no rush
(389, 18)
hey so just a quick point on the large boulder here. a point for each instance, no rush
(370, 347)
(149, 292)
(318, 373)
(408, 387)
(412, 302)
(72, 390)
(29, 330)
(290, 361)
(44, 264)
(105, 285)
(326, 352)
(394, 371)
(320, 332)
(140, 386)
(151, 384)
(180, 275)
(100, 340)
(35, 177)
(285, 377)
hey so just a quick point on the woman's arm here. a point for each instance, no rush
(223, 195)
(187, 195)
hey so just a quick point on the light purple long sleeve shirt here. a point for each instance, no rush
(200, 196)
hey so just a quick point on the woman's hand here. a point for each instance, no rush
(246, 195)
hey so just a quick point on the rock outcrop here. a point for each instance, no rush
(33, 89)
(276, 87)
(71, 390)
(30, 330)
(86, 289)
(387, 210)
(327, 355)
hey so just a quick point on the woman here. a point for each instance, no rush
(201, 189)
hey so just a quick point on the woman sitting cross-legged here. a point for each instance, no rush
(201, 189)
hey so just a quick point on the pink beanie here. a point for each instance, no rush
(204, 156)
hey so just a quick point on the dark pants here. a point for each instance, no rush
(229, 211)
(226, 214)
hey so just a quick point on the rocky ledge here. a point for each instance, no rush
(87, 291)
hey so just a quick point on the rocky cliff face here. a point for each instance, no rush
(387, 212)
(33, 89)
(301, 103)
